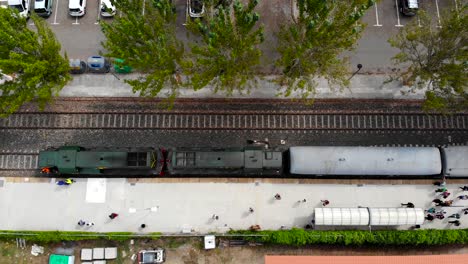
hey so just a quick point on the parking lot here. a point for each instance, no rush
(81, 37)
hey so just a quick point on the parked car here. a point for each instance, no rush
(78, 66)
(21, 5)
(43, 8)
(3, 3)
(408, 7)
(98, 64)
(107, 8)
(152, 256)
(196, 8)
(77, 8)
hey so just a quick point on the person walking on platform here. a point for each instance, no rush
(113, 215)
(438, 202)
(429, 217)
(69, 181)
(463, 197)
(464, 188)
(431, 210)
(325, 202)
(409, 204)
(277, 196)
(455, 222)
(441, 190)
(457, 216)
(445, 194)
(447, 203)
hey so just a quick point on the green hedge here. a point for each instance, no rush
(300, 237)
(57, 236)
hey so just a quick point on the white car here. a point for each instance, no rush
(77, 8)
(21, 5)
(107, 8)
(196, 8)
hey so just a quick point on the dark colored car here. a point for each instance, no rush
(408, 7)
(77, 66)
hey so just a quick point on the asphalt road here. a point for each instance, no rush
(81, 37)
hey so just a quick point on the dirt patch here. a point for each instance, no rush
(190, 251)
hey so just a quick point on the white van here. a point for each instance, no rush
(43, 8)
(21, 5)
(77, 8)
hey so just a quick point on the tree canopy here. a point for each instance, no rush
(436, 59)
(33, 58)
(143, 35)
(312, 46)
(226, 53)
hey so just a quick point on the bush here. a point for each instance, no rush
(57, 236)
(300, 237)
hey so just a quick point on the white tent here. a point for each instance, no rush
(341, 216)
(396, 216)
(368, 216)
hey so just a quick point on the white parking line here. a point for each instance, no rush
(98, 13)
(76, 21)
(438, 14)
(397, 14)
(55, 15)
(376, 16)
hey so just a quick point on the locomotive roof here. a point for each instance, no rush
(233, 158)
(71, 160)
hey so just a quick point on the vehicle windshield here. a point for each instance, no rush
(40, 10)
(74, 10)
(197, 6)
(19, 7)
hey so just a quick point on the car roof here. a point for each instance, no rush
(413, 3)
(39, 4)
(74, 4)
(107, 3)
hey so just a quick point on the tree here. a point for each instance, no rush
(33, 58)
(311, 46)
(436, 59)
(146, 42)
(227, 52)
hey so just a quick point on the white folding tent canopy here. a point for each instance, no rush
(368, 216)
(396, 216)
(342, 216)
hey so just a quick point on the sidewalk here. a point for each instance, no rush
(190, 206)
(362, 86)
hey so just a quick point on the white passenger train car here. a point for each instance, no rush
(455, 161)
(391, 161)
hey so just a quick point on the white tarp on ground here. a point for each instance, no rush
(341, 216)
(314, 160)
(368, 216)
(396, 216)
(96, 190)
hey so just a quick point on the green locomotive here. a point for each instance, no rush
(74, 160)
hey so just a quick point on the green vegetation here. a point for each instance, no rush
(437, 58)
(300, 237)
(57, 236)
(227, 53)
(147, 43)
(311, 47)
(32, 58)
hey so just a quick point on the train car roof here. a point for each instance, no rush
(315, 160)
(456, 161)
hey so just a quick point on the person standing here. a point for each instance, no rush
(69, 181)
(89, 224)
(438, 202)
(251, 210)
(277, 196)
(463, 197)
(431, 210)
(325, 202)
(457, 216)
(81, 223)
(441, 190)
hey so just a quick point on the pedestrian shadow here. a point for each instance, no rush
(246, 214)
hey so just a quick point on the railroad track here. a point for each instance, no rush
(237, 121)
(18, 161)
